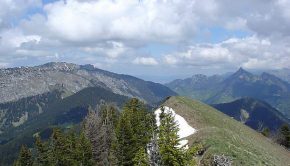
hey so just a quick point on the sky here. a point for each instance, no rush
(156, 40)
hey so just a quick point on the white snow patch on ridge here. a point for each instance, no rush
(185, 129)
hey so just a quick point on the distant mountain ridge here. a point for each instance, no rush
(240, 84)
(283, 74)
(254, 113)
(21, 82)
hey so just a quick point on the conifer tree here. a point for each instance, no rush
(133, 131)
(125, 142)
(139, 118)
(60, 149)
(141, 158)
(42, 152)
(73, 151)
(84, 151)
(168, 141)
(285, 136)
(25, 157)
(266, 132)
(99, 127)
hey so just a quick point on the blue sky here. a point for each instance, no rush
(155, 40)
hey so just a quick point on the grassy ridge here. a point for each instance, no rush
(224, 135)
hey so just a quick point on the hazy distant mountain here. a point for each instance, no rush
(254, 113)
(199, 86)
(242, 83)
(283, 74)
(17, 83)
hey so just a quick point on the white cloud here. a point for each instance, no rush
(250, 52)
(110, 31)
(3, 65)
(10, 10)
(14, 39)
(145, 61)
(170, 59)
(111, 49)
(135, 20)
(238, 23)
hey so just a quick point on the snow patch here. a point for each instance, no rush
(185, 129)
(21, 120)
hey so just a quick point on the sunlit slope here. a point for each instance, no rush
(224, 135)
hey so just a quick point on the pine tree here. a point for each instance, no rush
(84, 151)
(266, 132)
(42, 152)
(61, 154)
(141, 158)
(99, 127)
(72, 140)
(133, 130)
(191, 154)
(168, 141)
(25, 157)
(285, 136)
(140, 119)
(125, 142)
(61, 150)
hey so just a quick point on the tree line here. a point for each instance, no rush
(282, 136)
(111, 137)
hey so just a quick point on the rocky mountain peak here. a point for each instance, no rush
(197, 77)
(242, 74)
(242, 71)
(61, 66)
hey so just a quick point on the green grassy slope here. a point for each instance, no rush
(224, 135)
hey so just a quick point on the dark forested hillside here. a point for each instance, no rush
(256, 114)
(61, 112)
(110, 137)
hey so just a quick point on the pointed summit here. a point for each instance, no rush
(242, 71)
(241, 74)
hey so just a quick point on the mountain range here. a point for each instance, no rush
(27, 92)
(35, 99)
(222, 89)
(44, 78)
(254, 113)
(283, 74)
